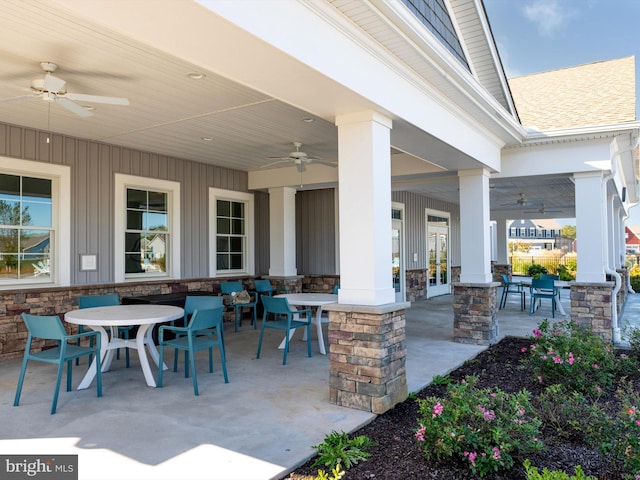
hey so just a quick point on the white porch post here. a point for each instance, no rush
(365, 209)
(591, 226)
(474, 226)
(502, 241)
(282, 232)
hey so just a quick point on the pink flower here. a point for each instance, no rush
(595, 365)
(523, 349)
(557, 359)
(543, 357)
(420, 433)
(638, 423)
(539, 379)
(472, 457)
(496, 453)
(437, 409)
(537, 333)
(571, 359)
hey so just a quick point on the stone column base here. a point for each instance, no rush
(475, 308)
(591, 307)
(367, 354)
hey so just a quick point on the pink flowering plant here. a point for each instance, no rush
(571, 355)
(484, 428)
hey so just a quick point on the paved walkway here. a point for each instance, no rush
(260, 425)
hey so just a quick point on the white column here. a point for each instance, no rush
(364, 162)
(591, 225)
(282, 232)
(475, 245)
(502, 240)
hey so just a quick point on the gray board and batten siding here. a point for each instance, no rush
(93, 167)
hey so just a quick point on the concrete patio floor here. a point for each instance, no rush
(261, 425)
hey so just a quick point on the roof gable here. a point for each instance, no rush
(599, 93)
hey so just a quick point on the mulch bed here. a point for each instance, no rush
(397, 454)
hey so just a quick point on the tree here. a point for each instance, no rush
(9, 237)
(569, 231)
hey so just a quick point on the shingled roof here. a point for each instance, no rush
(600, 93)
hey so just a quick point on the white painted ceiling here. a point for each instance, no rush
(211, 120)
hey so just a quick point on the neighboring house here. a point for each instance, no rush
(632, 240)
(404, 106)
(537, 234)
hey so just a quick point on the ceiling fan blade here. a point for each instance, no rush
(284, 160)
(13, 99)
(81, 97)
(53, 84)
(326, 164)
(73, 107)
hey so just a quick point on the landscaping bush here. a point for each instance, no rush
(535, 270)
(338, 449)
(533, 474)
(482, 427)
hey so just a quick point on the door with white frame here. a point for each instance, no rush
(397, 251)
(437, 253)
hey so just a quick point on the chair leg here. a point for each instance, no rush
(99, 374)
(223, 362)
(210, 359)
(161, 362)
(193, 373)
(23, 370)
(286, 347)
(57, 391)
(255, 319)
(260, 340)
(308, 339)
(176, 352)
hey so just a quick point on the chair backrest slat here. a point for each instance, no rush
(89, 301)
(279, 306)
(227, 288)
(42, 326)
(208, 318)
(542, 284)
(263, 286)
(201, 302)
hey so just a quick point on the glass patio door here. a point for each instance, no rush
(397, 261)
(437, 252)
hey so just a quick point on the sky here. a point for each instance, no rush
(541, 35)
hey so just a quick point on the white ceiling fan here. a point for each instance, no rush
(53, 89)
(299, 159)
(542, 210)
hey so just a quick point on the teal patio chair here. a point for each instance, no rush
(191, 304)
(283, 320)
(264, 287)
(202, 332)
(106, 300)
(511, 287)
(231, 289)
(549, 276)
(51, 328)
(541, 289)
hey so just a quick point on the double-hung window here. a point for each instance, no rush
(34, 235)
(231, 223)
(147, 238)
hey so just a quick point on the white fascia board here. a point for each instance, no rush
(556, 158)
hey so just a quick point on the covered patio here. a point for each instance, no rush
(260, 425)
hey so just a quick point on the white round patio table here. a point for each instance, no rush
(310, 300)
(144, 316)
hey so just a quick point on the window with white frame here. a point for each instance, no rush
(231, 233)
(147, 228)
(34, 223)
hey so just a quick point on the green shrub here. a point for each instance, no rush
(339, 449)
(482, 427)
(564, 273)
(573, 417)
(627, 445)
(535, 270)
(571, 355)
(533, 474)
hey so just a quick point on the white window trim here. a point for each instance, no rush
(220, 194)
(122, 182)
(60, 176)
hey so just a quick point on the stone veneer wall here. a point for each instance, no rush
(416, 284)
(367, 354)
(319, 283)
(59, 300)
(475, 310)
(591, 307)
(500, 269)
